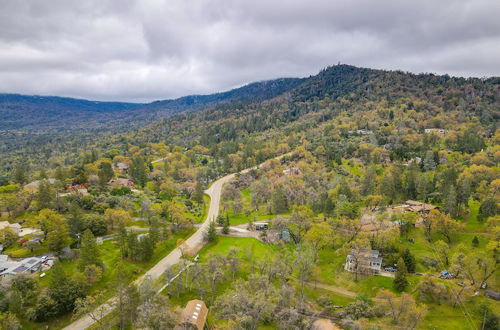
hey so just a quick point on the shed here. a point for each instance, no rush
(194, 315)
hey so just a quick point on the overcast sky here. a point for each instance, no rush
(142, 50)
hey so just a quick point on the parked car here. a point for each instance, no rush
(390, 269)
(419, 274)
(446, 275)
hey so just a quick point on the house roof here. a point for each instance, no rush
(16, 267)
(195, 313)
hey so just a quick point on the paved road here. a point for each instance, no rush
(193, 244)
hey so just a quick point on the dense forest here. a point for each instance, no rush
(350, 161)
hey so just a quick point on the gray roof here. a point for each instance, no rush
(16, 267)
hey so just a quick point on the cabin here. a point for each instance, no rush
(194, 316)
(261, 225)
(363, 261)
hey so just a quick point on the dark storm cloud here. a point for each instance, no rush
(152, 49)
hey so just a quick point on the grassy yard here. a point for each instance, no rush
(17, 251)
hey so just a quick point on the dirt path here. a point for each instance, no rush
(336, 289)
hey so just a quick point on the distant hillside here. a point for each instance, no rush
(38, 113)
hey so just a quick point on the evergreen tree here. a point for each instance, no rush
(450, 202)
(409, 260)
(138, 171)
(475, 241)
(225, 227)
(400, 281)
(198, 193)
(89, 251)
(46, 195)
(369, 181)
(123, 239)
(21, 174)
(154, 231)
(80, 174)
(146, 248)
(429, 163)
(211, 234)
(105, 173)
(410, 181)
(64, 291)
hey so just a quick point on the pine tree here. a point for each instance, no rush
(409, 260)
(225, 227)
(475, 241)
(146, 248)
(198, 193)
(138, 171)
(429, 163)
(21, 174)
(211, 233)
(105, 173)
(400, 281)
(451, 201)
(46, 195)
(89, 251)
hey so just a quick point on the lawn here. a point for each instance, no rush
(224, 244)
(17, 251)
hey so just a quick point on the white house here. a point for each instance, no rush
(364, 261)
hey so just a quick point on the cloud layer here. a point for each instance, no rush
(142, 50)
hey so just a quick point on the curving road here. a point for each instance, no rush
(193, 244)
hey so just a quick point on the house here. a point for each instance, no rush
(492, 294)
(120, 182)
(364, 261)
(422, 208)
(194, 316)
(435, 130)
(10, 269)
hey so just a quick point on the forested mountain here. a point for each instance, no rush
(375, 204)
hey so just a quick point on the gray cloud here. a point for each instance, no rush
(141, 50)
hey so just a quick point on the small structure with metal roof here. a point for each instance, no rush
(194, 316)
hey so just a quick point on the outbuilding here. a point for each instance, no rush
(194, 316)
